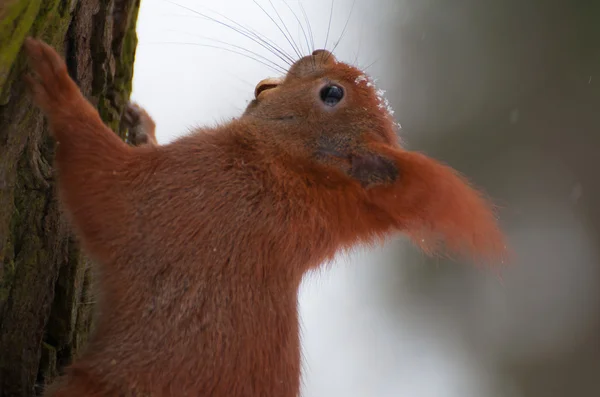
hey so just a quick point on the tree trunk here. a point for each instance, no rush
(45, 282)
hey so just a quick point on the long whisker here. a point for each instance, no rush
(236, 77)
(219, 48)
(344, 30)
(285, 26)
(234, 46)
(262, 38)
(362, 25)
(371, 64)
(310, 31)
(300, 24)
(246, 32)
(329, 26)
(299, 38)
(304, 32)
(257, 39)
(291, 42)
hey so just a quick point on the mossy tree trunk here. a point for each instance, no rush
(45, 296)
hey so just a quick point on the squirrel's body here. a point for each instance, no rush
(210, 308)
(202, 243)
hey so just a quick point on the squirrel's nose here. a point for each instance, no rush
(317, 52)
(324, 55)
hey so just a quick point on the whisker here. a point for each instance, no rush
(283, 23)
(257, 39)
(291, 42)
(371, 64)
(362, 26)
(299, 24)
(310, 31)
(298, 36)
(219, 48)
(345, 26)
(238, 78)
(329, 26)
(232, 45)
(304, 32)
(262, 40)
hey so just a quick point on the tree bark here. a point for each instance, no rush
(46, 300)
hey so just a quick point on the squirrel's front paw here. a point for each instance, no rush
(49, 82)
(140, 124)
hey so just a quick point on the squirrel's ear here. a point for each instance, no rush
(372, 169)
(434, 205)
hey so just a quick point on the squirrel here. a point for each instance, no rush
(201, 244)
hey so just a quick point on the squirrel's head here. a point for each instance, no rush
(327, 111)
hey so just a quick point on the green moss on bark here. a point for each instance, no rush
(46, 19)
(15, 23)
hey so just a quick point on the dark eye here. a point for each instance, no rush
(332, 94)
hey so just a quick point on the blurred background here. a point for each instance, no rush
(507, 92)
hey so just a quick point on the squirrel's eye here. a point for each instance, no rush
(332, 94)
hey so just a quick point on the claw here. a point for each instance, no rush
(48, 81)
(140, 124)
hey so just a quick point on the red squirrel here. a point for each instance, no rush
(201, 244)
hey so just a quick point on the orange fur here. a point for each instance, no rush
(201, 244)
